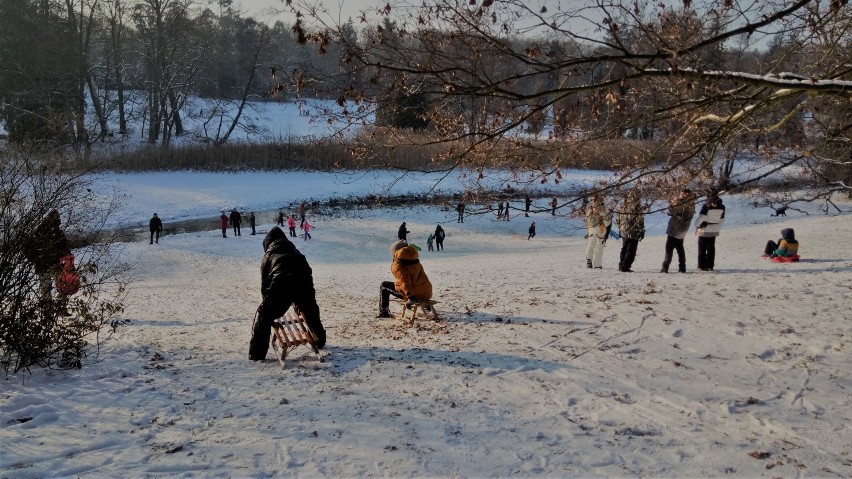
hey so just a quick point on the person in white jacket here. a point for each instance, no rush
(707, 226)
(598, 224)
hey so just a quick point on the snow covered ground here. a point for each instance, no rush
(538, 366)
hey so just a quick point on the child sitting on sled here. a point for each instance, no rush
(786, 247)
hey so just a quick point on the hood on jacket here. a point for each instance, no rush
(275, 234)
(788, 234)
(407, 253)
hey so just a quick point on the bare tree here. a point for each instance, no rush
(604, 72)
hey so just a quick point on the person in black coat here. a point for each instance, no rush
(403, 232)
(47, 246)
(236, 219)
(531, 231)
(285, 279)
(156, 227)
(439, 238)
(251, 223)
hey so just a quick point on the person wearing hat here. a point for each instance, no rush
(285, 278)
(156, 227)
(410, 281)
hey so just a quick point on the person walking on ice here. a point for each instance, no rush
(460, 210)
(531, 231)
(429, 240)
(236, 219)
(223, 222)
(307, 227)
(402, 232)
(439, 238)
(291, 225)
(252, 223)
(156, 227)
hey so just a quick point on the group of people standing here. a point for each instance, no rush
(236, 220)
(631, 225)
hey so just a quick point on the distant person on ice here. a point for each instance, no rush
(280, 220)
(553, 203)
(156, 227)
(285, 279)
(439, 238)
(681, 212)
(460, 210)
(302, 209)
(708, 224)
(251, 223)
(223, 222)
(291, 225)
(527, 203)
(402, 233)
(236, 219)
(429, 240)
(410, 281)
(500, 211)
(531, 231)
(787, 246)
(307, 227)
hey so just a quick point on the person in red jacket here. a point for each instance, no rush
(223, 220)
(291, 225)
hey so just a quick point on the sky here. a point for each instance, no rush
(349, 8)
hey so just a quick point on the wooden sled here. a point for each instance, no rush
(290, 331)
(425, 309)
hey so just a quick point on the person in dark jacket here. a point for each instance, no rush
(439, 238)
(460, 210)
(681, 211)
(280, 220)
(531, 231)
(251, 223)
(527, 204)
(631, 226)
(46, 248)
(285, 279)
(236, 219)
(707, 226)
(156, 227)
(787, 246)
(403, 232)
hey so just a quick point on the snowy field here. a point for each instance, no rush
(538, 367)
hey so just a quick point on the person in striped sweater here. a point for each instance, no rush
(707, 226)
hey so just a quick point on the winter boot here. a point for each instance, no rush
(588, 263)
(259, 344)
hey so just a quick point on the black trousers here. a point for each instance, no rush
(439, 244)
(771, 246)
(237, 229)
(224, 232)
(386, 290)
(706, 252)
(675, 244)
(628, 252)
(155, 236)
(304, 298)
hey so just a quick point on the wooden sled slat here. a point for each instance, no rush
(410, 315)
(290, 331)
